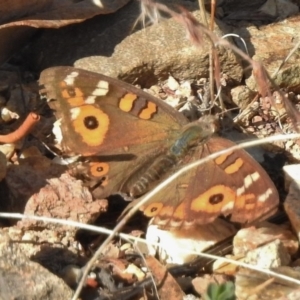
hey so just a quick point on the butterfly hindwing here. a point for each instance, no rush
(232, 185)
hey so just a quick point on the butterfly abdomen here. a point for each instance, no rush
(190, 137)
(153, 174)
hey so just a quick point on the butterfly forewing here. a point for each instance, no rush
(102, 115)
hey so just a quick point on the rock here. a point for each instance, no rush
(266, 246)
(109, 46)
(242, 96)
(49, 193)
(21, 278)
(271, 44)
(292, 174)
(291, 204)
(259, 286)
(258, 11)
(171, 243)
(200, 284)
(251, 238)
(272, 255)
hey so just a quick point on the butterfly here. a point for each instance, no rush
(128, 141)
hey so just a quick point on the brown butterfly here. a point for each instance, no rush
(129, 141)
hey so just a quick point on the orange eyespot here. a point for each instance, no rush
(91, 123)
(214, 199)
(99, 169)
(73, 95)
(153, 209)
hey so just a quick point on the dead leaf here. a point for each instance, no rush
(166, 285)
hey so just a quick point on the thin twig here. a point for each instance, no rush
(22, 131)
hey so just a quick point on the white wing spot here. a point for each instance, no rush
(69, 80)
(263, 197)
(255, 176)
(101, 89)
(57, 131)
(240, 191)
(90, 100)
(248, 180)
(98, 3)
(228, 206)
(75, 113)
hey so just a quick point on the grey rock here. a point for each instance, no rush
(271, 44)
(23, 279)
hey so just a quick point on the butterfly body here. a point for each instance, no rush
(189, 137)
(130, 141)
